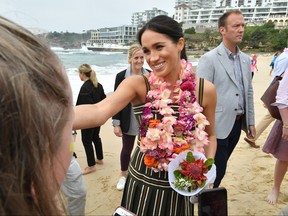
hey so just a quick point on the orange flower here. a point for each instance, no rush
(184, 147)
(153, 123)
(150, 161)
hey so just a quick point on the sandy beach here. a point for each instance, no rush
(248, 180)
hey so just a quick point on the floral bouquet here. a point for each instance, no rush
(190, 172)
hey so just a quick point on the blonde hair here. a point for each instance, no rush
(132, 49)
(89, 72)
(33, 112)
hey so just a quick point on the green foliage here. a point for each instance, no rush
(190, 31)
(265, 38)
(190, 158)
(280, 41)
(209, 162)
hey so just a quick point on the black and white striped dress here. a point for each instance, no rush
(149, 193)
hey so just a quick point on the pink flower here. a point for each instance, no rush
(153, 134)
(179, 128)
(179, 141)
(146, 144)
(165, 94)
(201, 120)
(169, 119)
(187, 86)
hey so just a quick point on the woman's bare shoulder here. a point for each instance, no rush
(209, 92)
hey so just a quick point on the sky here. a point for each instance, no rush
(77, 15)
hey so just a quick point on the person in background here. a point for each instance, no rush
(280, 65)
(124, 122)
(74, 188)
(36, 118)
(277, 141)
(90, 92)
(172, 85)
(273, 62)
(229, 70)
(253, 64)
(265, 121)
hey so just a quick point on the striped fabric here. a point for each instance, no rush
(149, 193)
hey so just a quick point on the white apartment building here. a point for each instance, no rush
(261, 11)
(196, 4)
(114, 35)
(121, 35)
(140, 18)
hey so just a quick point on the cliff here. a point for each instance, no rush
(66, 40)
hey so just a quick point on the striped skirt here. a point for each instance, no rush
(149, 193)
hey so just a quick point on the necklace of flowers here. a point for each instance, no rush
(164, 133)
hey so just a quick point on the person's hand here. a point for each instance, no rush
(251, 132)
(118, 131)
(285, 132)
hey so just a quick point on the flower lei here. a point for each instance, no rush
(163, 134)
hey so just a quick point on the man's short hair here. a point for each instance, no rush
(222, 19)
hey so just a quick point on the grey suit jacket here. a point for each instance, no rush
(215, 67)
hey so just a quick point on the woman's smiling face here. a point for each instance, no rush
(162, 54)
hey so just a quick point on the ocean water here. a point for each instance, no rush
(105, 64)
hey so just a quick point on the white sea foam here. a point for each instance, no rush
(106, 65)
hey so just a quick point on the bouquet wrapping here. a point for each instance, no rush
(190, 172)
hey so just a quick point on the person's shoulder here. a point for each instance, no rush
(122, 73)
(208, 85)
(243, 54)
(87, 83)
(210, 53)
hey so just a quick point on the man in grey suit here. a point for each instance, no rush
(229, 70)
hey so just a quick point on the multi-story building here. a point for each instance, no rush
(112, 39)
(197, 4)
(119, 35)
(119, 38)
(274, 10)
(140, 18)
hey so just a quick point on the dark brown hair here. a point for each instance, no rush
(164, 25)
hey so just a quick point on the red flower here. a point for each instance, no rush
(191, 175)
(187, 86)
(195, 170)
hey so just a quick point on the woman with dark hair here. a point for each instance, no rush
(173, 108)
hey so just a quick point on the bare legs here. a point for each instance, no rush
(279, 173)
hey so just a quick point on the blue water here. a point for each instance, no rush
(105, 64)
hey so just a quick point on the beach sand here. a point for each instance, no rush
(248, 179)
